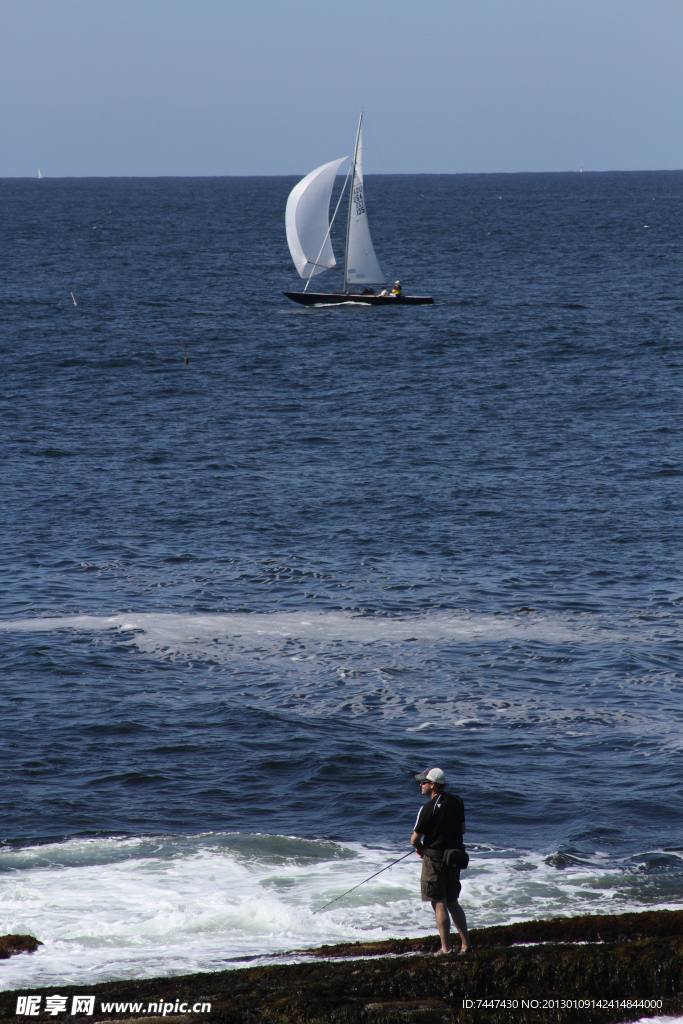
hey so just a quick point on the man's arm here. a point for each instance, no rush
(418, 829)
(421, 827)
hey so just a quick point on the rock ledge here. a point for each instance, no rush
(582, 970)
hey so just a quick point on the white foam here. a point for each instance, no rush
(175, 631)
(657, 1020)
(338, 663)
(118, 908)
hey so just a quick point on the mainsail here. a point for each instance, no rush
(307, 220)
(362, 266)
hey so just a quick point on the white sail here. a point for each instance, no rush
(362, 266)
(307, 220)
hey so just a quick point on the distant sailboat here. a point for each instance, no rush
(308, 226)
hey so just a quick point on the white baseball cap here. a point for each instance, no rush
(435, 775)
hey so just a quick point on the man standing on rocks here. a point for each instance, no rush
(440, 826)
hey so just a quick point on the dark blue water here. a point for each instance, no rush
(255, 592)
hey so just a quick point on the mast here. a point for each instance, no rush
(348, 219)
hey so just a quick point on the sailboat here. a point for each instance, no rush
(309, 227)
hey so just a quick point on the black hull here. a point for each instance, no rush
(335, 298)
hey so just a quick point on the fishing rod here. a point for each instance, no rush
(364, 881)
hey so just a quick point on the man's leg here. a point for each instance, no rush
(443, 923)
(460, 922)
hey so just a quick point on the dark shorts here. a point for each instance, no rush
(438, 883)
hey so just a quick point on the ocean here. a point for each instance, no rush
(261, 563)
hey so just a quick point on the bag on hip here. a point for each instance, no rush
(458, 857)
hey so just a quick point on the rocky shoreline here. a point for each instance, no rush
(603, 969)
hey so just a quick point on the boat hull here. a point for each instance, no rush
(335, 298)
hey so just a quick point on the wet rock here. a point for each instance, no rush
(410, 1011)
(545, 966)
(588, 928)
(10, 945)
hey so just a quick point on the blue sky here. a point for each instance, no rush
(215, 87)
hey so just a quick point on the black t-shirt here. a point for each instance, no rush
(441, 822)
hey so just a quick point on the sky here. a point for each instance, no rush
(242, 87)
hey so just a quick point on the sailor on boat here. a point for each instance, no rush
(395, 292)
